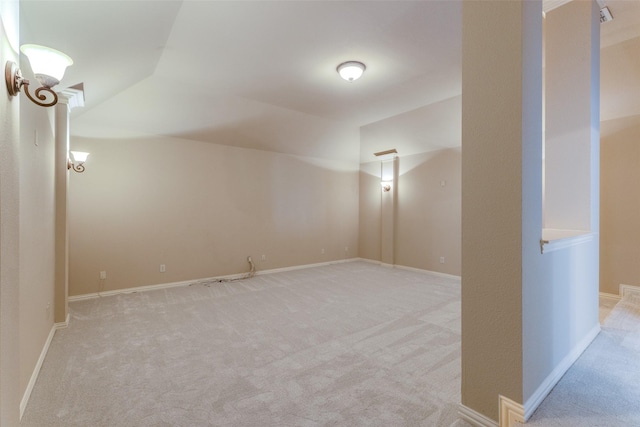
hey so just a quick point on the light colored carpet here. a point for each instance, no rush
(602, 389)
(351, 344)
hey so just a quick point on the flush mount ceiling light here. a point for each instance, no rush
(47, 64)
(351, 70)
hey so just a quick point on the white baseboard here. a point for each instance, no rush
(612, 297)
(474, 418)
(552, 379)
(302, 267)
(404, 267)
(191, 282)
(625, 289)
(510, 412)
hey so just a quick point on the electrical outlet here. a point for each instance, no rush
(322, 251)
(163, 268)
(103, 275)
(346, 248)
(264, 257)
(441, 260)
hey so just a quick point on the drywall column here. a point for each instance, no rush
(572, 75)
(501, 121)
(9, 226)
(61, 234)
(67, 99)
(388, 206)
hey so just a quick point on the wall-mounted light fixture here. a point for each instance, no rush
(79, 157)
(47, 64)
(351, 70)
(386, 168)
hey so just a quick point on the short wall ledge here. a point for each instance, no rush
(554, 239)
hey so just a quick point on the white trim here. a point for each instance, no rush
(62, 325)
(436, 273)
(547, 385)
(301, 267)
(36, 370)
(195, 281)
(625, 289)
(555, 240)
(404, 267)
(474, 418)
(549, 5)
(510, 412)
(613, 297)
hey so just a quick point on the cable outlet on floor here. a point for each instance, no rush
(163, 268)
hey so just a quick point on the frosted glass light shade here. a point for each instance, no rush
(351, 70)
(79, 156)
(46, 62)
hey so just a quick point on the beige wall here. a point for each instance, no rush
(429, 198)
(9, 227)
(36, 234)
(201, 209)
(492, 196)
(427, 214)
(620, 204)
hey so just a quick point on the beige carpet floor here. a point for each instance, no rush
(351, 344)
(602, 389)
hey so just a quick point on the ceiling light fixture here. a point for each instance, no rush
(47, 64)
(351, 70)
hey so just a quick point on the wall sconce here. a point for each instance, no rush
(386, 186)
(79, 157)
(47, 64)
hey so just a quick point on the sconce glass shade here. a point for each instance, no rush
(47, 64)
(351, 70)
(79, 157)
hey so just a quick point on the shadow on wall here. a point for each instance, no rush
(200, 209)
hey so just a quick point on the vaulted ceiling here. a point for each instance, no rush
(262, 74)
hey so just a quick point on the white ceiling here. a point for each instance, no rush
(262, 74)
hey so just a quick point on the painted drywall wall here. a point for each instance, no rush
(369, 233)
(620, 207)
(200, 209)
(492, 197)
(9, 227)
(36, 234)
(427, 193)
(429, 209)
(525, 315)
(560, 288)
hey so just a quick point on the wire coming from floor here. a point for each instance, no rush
(248, 275)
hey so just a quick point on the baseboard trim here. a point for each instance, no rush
(191, 282)
(36, 369)
(474, 418)
(404, 267)
(625, 289)
(613, 297)
(62, 325)
(304, 266)
(552, 379)
(510, 412)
